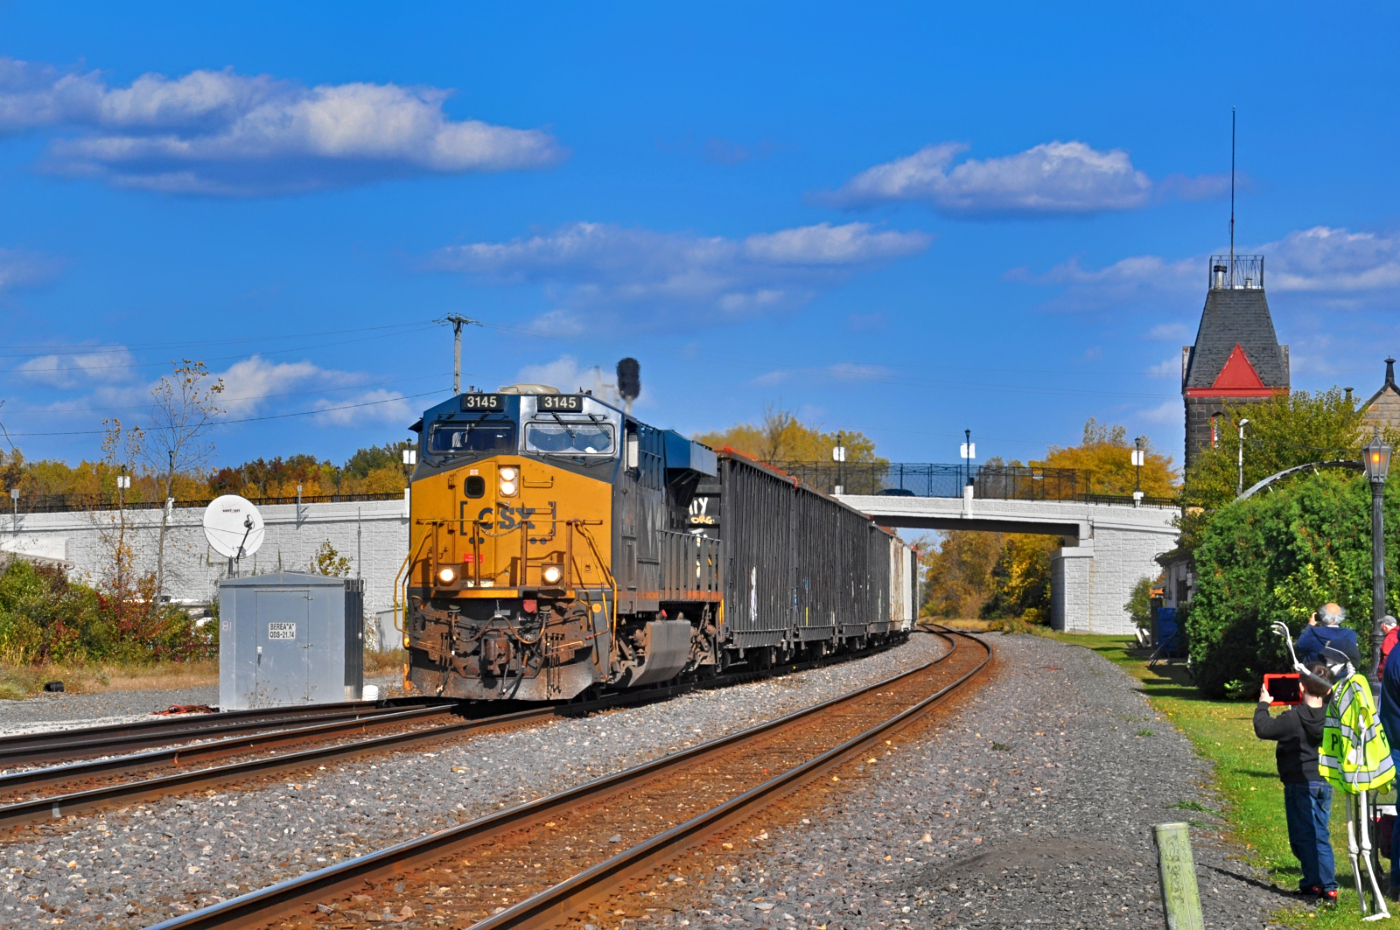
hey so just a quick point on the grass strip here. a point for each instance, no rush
(1245, 778)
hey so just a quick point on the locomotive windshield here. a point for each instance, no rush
(567, 437)
(459, 437)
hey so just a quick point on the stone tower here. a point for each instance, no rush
(1236, 358)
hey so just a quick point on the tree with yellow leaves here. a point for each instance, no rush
(781, 437)
(1105, 456)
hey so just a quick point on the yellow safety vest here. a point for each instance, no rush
(1355, 754)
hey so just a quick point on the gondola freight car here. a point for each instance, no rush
(558, 544)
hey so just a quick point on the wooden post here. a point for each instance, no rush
(1181, 899)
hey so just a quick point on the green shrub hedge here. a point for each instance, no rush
(1279, 556)
(46, 617)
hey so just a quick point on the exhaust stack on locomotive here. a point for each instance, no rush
(558, 544)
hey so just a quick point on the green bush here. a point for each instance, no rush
(45, 617)
(1139, 606)
(1279, 556)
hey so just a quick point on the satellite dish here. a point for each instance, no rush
(233, 526)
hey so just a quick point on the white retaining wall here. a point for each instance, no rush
(373, 535)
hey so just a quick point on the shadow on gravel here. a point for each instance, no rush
(1030, 862)
(1289, 896)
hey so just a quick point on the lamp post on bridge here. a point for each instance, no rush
(838, 455)
(1376, 459)
(969, 452)
(1138, 458)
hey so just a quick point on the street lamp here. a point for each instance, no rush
(969, 452)
(1240, 489)
(1138, 458)
(1376, 461)
(838, 455)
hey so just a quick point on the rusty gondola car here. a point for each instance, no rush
(558, 545)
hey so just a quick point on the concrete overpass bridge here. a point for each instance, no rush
(1109, 543)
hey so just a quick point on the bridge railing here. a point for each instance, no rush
(989, 482)
(69, 503)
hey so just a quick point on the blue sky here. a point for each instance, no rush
(907, 220)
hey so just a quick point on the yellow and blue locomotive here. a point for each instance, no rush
(558, 544)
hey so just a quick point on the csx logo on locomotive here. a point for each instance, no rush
(559, 545)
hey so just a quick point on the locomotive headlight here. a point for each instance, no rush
(447, 575)
(552, 573)
(508, 478)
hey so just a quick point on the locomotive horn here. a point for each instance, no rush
(629, 381)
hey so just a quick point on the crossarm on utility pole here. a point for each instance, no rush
(457, 321)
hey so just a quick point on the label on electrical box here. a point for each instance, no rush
(281, 631)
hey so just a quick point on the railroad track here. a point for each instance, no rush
(553, 859)
(92, 742)
(106, 782)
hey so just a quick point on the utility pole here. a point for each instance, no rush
(457, 321)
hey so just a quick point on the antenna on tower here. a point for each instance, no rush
(1232, 195)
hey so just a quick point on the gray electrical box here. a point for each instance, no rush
(290, 638)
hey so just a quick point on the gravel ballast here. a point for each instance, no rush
(66, 711)
(135, 867)
(1031, 806)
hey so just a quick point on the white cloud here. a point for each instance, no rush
(222, 133)
(248, 382)
(72, 369)
(1328, 259)
(22, 268)
(839, 371)
(1349, 268)
(589, 265)
(568, 375)
(1167, 412)
(1169, 366)
(1170, 332)
(1050, 179)
(378, 406)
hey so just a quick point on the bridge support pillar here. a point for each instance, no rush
(1072, 589)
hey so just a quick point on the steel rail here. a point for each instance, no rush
(73, 802)
(257, 907)
(128, 792)
(49, 745)
(568, 897)
(192, 752)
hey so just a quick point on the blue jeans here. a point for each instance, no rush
(1395, 835)
(1308, 805)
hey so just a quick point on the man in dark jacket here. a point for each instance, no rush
(1307, 799)
(1326, 640)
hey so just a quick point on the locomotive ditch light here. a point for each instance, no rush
(447, 574)
(552, 574)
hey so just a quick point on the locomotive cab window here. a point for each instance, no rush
(569, 437)
(464, 437)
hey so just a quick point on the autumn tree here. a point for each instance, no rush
(958, 573)
(781, 437)
(183, 411)
(1104, 454)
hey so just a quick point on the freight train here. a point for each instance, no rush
(559, 546)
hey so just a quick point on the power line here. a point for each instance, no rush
(219, 358)
(273, 416)
(223, 399)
